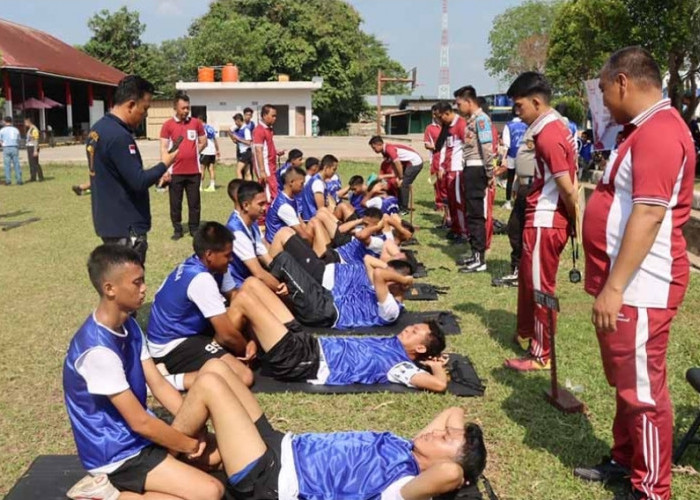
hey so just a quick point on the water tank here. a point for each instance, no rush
(282, 77)
(205, 74)
(229, 73)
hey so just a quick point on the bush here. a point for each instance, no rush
(575, 110)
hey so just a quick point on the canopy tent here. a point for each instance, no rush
(33, 103)
(52, 103)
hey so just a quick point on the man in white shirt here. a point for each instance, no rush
(9, 140)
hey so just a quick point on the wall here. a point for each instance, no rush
(158, 113)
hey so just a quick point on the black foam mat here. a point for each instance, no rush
(425, 291)
(447, 320)
(464, 381)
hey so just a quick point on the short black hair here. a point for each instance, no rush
(291, 171)
(310, 162)
(484, 105)
(132, 88)
(238, 116)
(376, 139)
(232, 189)
(328, 161)
(211, 236)
(466, 92)
(436, 340)
(7, 119)
(443, 107)
(473, 454)
(294, 154)
(373, 183)
(636, 63)
(247, 191)
(355, 180)
(247, 110)
(374, 213)
(402, 266)
(105, 257)
(408, 226)
(528, 84)
(180, 95)
(434, 107)
(266, 109)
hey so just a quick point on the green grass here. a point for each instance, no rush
(45, 295)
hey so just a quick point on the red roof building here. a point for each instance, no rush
(40, 66)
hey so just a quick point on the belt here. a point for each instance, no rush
(474, 163)
(526, 181)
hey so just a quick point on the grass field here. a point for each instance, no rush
(45, 295)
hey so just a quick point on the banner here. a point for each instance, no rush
(605, 129)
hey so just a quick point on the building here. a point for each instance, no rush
(219, 101)
(413, 115)
(63, 87)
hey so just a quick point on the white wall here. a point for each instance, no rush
(222, 104)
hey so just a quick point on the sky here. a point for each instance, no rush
(410, 29)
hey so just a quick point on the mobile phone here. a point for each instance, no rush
(175, 145)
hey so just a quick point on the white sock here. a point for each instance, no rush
(177, 380)
(211, 184)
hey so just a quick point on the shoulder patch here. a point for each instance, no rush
(483, 128)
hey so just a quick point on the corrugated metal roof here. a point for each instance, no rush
(22, 47)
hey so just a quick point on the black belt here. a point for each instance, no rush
(526, 181)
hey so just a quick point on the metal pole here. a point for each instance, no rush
(379, 102)
(23, 98)
(553, 358)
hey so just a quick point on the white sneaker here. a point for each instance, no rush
(93, 488)
(507, 205)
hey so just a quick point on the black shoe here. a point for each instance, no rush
(510, 280)
(630, 495)
(460, 240)
(451, 235)
(465, 260)
(176, 236)
(404, 212)
(478, 265)
(77, 190)
(605, 472)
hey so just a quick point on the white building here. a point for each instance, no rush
(219, 101)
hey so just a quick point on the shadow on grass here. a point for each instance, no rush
(685, 414)
(16, 213)
(500, 323)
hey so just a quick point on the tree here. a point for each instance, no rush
(116, 39)
(519, 39)
(584, 34)
(301, 38)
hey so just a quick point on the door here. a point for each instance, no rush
(301, 120)
(282, 124)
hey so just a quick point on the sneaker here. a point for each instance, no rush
(630, 495)
(176, 236)
(451, 235)
(510, 280)
(465, 260)
(606, 471)
(210, 189)
(77, 190)
(507, 205)
(522, 342)
(460, 240)
(93, 488)
(475, 266)
(527, 364)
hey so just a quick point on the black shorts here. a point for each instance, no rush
(340, 239)
(190, 355)
(298, 248)
(262, 481)
(353, 216)
(475, 182)
(246, 157)
(295, 358)
(312, 304)
(207, 160)
(131, 475)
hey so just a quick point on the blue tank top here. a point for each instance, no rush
(356, 202)
(308, 202)
(280, 173)
(210, 132)
(174, 315)
(350, 465)
(517, 130)
(355, 251)
(390, 205)
(239, 271)
(355, 298)
(101, 434)
(334, 184)
(273, 222)
(361, 360)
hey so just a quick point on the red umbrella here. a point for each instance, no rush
(51, 103)
(33, 103)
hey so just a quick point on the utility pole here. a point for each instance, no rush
(381, 79)
(444, 85)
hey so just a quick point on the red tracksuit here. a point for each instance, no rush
(546, 229)
(452, 166)
(432, 132)
(653, 165)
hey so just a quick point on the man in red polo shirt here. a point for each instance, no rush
(186, 171)
(436, 146)
(264, 152)
(550, 207)
(404, 161)
(637, 267)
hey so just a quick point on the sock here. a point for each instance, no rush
(211, 184)
(177, 380)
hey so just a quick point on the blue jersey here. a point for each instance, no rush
(389, 204)
(280, 173)
(174, 315)
(586, 151)
(334, 184)
(308, 201)
(210, 132)
(102, 436)
(350, 465)
(362, 360)
(356, 202)
(355, 251)
(573, 128)
(355, 298)
(273, 221)
(239, 271)
(516, 129)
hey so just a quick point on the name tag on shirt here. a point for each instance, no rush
(191, 135)
(132, 149)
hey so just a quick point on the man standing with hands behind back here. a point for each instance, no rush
(264, 152)
(637, 267)
(121, 207)
(186, 171)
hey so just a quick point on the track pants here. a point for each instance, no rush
(455, 201)
(539, 262)
(440, 188)
(488, 210)
(271, 187)
(634, 360)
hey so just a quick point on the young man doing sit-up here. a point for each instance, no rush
(377, 197)
(188, 324)
(285, 210)
(291, 354)
(105, 373)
